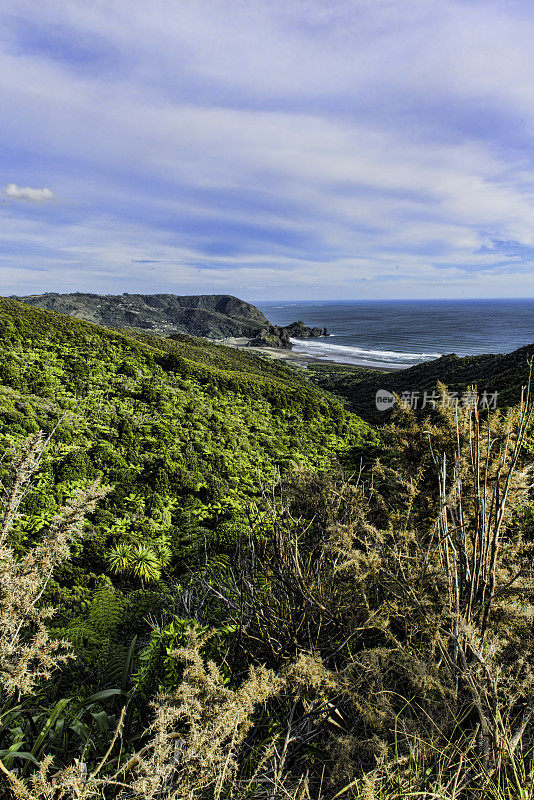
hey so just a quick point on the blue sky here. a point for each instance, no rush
(268, 149)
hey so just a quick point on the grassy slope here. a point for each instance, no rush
(182, 430)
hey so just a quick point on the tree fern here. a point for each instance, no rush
(143, 560)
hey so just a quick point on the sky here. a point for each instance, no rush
(274, 150)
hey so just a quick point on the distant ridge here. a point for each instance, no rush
(215, 316)
(212, 316)
(504, 374)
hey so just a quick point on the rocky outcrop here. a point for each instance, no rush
(273, 336)
(298, 330)
(277, 336)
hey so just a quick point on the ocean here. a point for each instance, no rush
(401, 333)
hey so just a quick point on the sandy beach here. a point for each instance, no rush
(290, 356)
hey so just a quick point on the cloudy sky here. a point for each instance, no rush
(271, 149)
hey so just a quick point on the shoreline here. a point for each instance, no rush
(291, 357)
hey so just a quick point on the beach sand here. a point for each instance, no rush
(289, 356)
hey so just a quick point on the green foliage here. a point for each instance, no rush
(505, 374)
(288, 630)
(183, 430)
(159, 668)
(143, 560)
(102, 620)
(66, 729)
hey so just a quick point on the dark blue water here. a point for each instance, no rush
(401, 333)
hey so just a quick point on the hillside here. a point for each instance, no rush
(212, 315)
(184, 432)
(503, 374)
(233, 591)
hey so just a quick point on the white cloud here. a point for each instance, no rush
(28, 194)
(295, 145)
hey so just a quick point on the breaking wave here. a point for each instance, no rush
(360, 356)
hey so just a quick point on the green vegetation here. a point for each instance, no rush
(182, 431)
(268, 597)
(341, 379)
(505, 374)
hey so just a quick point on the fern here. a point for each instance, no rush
(102, 620)
(107, 610)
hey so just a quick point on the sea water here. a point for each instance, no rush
(401, 333)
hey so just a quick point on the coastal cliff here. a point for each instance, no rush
(212, 316)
